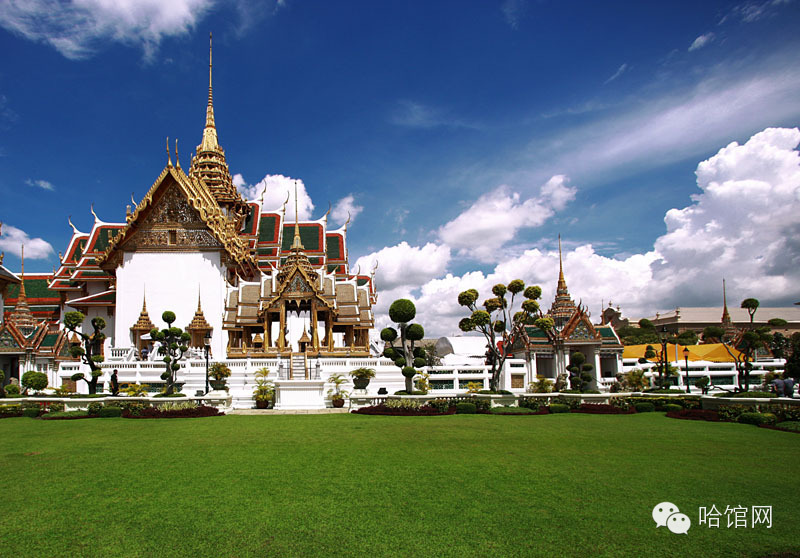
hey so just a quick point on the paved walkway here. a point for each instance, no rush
(291, 412)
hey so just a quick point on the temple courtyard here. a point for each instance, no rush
(346, 485)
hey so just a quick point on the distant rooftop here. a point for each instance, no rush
(695, 314)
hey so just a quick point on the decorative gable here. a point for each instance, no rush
(172, 225)
(7, 341)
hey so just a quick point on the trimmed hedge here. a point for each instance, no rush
(672, 407)
(558, 408)
(31, 412)
(515, 411)
(603, 409)
(757, 418)
(67, 415)
(422, 411)
(644, 407)
(153, 413)
(466, 408)
(110, 412)
(7, 411)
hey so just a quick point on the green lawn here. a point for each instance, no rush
(349, 485)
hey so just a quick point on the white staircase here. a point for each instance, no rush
(298, 366)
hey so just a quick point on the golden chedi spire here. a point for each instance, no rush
(199, 320)
(563, 306)
(143, 323)
(297, 256)
(209, 163)
(22, 317)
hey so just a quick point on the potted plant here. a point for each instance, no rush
(218, 371)
(361, 377)
(264, 393)
(336, 394)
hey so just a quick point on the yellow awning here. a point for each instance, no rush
(713, 352)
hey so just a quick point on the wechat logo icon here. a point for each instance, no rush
(667, 514)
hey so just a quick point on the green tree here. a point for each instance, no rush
(405, 356)
(580, 376)
(687, 337)
(497, 319)
(90, 349)
(792, 367)
(34, 380)
(748, 345)
(713, 334)
(174, 344)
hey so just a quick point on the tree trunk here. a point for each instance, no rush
(409, 381)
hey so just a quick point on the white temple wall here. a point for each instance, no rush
(171, 282)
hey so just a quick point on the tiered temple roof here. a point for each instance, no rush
(563, 306)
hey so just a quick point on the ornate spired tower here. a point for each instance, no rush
(727, 323)
(22, 317)
(209, 163)
(563, 307)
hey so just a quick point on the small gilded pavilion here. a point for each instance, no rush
(547, 352)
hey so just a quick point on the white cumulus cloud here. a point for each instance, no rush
(278, 189)
(12, 239)
(743, 225)
(75, 28)
(345, 209)
(494, 219)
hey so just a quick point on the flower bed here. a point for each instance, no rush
(603, 409)
(154, 413)
(422, 411)
(695, 414)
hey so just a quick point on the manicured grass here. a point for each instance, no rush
(351, 485)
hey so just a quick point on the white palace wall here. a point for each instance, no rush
(171, 282)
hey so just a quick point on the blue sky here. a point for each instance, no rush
(470, 133)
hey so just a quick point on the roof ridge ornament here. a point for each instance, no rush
(296, 242)
(169, 157)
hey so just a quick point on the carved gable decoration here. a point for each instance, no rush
(299, 285)
(581, 332)
(172, 225)
(7, 341)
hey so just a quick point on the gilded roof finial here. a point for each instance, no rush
(210, 141)
(264, 191)
(296, 243)
(347, 222)
(133, 201)
(22, 296)
(177, 160)
(726, 317)
(91, 209)
(169, 157)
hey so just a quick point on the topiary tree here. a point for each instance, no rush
(90, 348)
(748, 345)
(174, 344)
(579, 372)
(34, 380)
(405, 356)
(497, 319)
(713, 334)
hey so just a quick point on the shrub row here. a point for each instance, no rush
(695, 414)
(154, 413)
(603, 409)
(423, 410)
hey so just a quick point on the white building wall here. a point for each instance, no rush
(171, 282)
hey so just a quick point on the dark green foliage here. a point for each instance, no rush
(12, 389)
(511, 411)
(91, 348)
(415, 332)
(388, 334)
(757, 418)
(36, 381)
(31, 412)
(687, 337)
(756, 394)
(644, 407)
(791, 426)
(174, 344)
(94, 408)
(558, 408)
(713, 334)
(630, 335)
(731, 413)
(672, 407)
(465, 408)
(110, 411)
(390, 353)
(532, 403)
(401, 392)
(408, 372)
(579, 372)
(55, 407)
(419, 362)
(10, 411)
(785, 412)
(402, 311)
(702, 384)
(63, 415)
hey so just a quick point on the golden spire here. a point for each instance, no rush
(22, 317)
(296, 243)
(726, 317)
(169, 157)
(143, 323)
(210, 141)
(561, 281)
